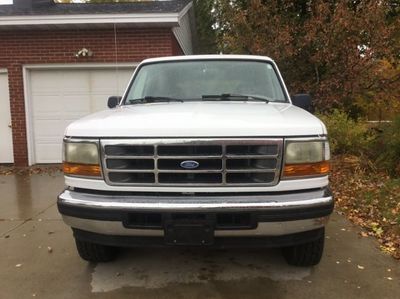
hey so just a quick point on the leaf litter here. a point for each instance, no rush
(369, 198)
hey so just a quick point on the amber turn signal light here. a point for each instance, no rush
(81, 169)
(306, 169)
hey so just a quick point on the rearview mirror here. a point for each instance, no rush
(302, 100)
(113, 101)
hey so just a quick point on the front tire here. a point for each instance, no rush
(307, 254)
(97, 253)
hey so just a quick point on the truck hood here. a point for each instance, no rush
(199, 119)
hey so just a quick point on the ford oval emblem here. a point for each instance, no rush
(189, 164)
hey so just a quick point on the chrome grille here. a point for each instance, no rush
(221, 162)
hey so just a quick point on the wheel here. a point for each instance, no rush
(307, 254)
(95, 252)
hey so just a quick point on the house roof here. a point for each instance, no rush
(49, 8)
(45, 14)
(50, 15)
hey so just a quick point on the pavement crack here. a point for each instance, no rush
(44, 210)
(16, 227)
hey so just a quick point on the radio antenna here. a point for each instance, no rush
(116, 58)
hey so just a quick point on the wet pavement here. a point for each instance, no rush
(38, 260)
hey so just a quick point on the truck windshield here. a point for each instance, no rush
(197, 79)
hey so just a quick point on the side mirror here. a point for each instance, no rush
(302, 100)
(113, 101)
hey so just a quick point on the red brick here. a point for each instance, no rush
(58, 46)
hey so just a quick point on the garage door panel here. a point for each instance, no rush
(59, 97)
(45, 103)
(119, 80)
(49, 152)
(6, 143)
(99, 101)
(75, 82)
(42, 82)
(47, 81)
(79, 104)
(48, 128)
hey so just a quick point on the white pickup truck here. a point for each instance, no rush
(199, 151)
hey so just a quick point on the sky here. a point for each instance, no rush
(5, 2)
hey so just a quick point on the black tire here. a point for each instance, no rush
(97, 253)
(305, 255)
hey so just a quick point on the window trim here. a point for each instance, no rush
(274, 67)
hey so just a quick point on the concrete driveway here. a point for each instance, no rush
(38, 259)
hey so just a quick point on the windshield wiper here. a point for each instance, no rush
(151, 99)
(232, 97)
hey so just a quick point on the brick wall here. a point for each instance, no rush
(18, 48)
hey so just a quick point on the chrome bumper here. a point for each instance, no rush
(277, 214)
(263, 229)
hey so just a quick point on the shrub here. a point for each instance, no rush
(380, 147)
(346, 135)
(387, 147)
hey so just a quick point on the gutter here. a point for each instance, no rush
(149, 18)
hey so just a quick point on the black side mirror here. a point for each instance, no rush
(302, 100)
(113, 101)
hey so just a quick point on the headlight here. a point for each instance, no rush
(81, 159)
(306, 158)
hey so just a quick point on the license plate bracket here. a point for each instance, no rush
(189, 229)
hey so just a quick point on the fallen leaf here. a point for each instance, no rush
(49, 249)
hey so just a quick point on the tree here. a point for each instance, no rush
(333, 49)
(205, 41)
(97, 1)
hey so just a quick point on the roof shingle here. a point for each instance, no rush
(169, 6)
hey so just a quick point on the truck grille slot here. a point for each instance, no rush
(234, 221)
(251, 164)
(189, 150)
(204, 164)
(185, 178)
(148, 220)
(250, 177)
(270, 149)
(129, 150)
(143, 220)
(130, 164)
(131, 178)
(192, 162)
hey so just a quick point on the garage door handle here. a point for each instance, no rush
(10, 125)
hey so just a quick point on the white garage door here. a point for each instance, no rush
(6, 144)
(58, 97)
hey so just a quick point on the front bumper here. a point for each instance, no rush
(266, 215)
